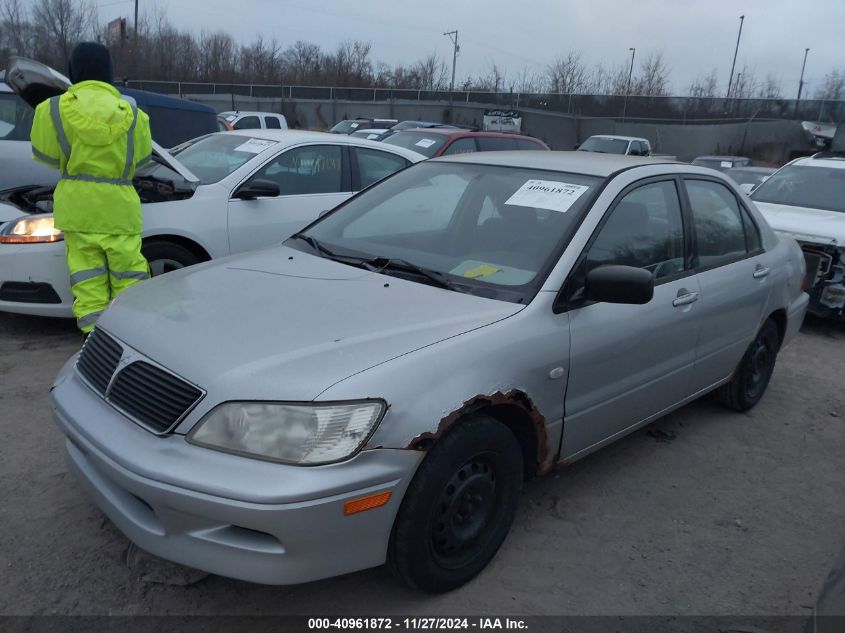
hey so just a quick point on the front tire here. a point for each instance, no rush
(459, 507)
(164, 257)
(751, 378)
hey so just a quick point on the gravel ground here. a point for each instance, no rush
(705, 512)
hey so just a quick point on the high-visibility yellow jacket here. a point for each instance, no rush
(96, 138)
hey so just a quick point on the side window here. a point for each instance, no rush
(720, 235)
(248, 123)
(306, 170)
(645, 230)
(272, 123)
(461, 146)
(374, 165)
(493, 144)
(753, 242)
(522, 143)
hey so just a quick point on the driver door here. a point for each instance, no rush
(631, 362)
(311, 179)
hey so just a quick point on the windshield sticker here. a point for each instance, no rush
(547, 194)
(354, 125)
(482, 270)
(255, 146)
(426, 142)
(491, 273)
(727, 163)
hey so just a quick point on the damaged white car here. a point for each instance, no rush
(806, 200)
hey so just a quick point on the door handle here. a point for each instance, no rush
(685, 299)
(761, 272)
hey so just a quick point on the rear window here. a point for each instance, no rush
(604, 145)
(171, 126)
(425, 144)
(524, 143)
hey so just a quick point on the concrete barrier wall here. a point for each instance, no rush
(767, 142)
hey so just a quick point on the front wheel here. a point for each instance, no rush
(752, 376)
(459, 507)
(164, 257)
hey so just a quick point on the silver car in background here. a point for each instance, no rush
(377, 388)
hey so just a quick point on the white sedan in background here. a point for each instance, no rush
(214, 196)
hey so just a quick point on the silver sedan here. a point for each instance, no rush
(378, 388)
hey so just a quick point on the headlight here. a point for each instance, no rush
(289, 433)
(33, 229)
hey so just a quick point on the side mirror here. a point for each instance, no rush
(258, 188)
(747, 188)
(576, 146)
(619, 284)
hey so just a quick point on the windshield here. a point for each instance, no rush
(346, 127)
(211, 158)
(489, 230)
(15, 118)
(816, 187)
(604, 145)
(745, 177)
(422, 142)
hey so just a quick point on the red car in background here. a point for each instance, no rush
(434, 142)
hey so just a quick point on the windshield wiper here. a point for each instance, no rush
(360, 262)
(435, 278)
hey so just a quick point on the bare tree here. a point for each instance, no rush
(653, 79)
(303, 61)
(770, 88)
(15, 29)
(704, 86)
(832, 86)
(432, 72)
(745, 84)
(567, 74)
(60, 24)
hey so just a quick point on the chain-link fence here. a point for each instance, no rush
(638, 108)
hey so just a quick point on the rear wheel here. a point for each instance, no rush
(165, 257)
(459, 506)
(752, 376)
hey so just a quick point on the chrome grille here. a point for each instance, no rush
(98, 360)
(152, 396)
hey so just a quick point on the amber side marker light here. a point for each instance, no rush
(366, 503)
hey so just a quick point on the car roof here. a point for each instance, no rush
(621, 138)
(715, 157)
(754, 170)
(296, 137)
(826, 160)
(447, 131)
(588, 163)
(249, 113)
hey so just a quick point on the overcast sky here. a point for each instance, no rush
(694, 36)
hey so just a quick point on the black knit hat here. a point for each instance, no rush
(90, 61)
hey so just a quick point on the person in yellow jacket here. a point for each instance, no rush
(96, 138)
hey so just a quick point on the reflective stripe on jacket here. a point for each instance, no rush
(96, 138)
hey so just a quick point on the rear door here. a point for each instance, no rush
(734, 273)
(629, 363)
(311, 178)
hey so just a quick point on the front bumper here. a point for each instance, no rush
(267, 523)
(38, 263)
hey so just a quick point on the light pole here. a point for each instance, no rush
(453, 35)
(736, 50)
(801, 81)
(628, 87)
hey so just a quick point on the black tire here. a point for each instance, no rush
(752, 376)
(459, 507)
(165, 257)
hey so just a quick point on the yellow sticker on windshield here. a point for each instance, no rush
(484, 270)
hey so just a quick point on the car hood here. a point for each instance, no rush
(281, 324)
(805, 224)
